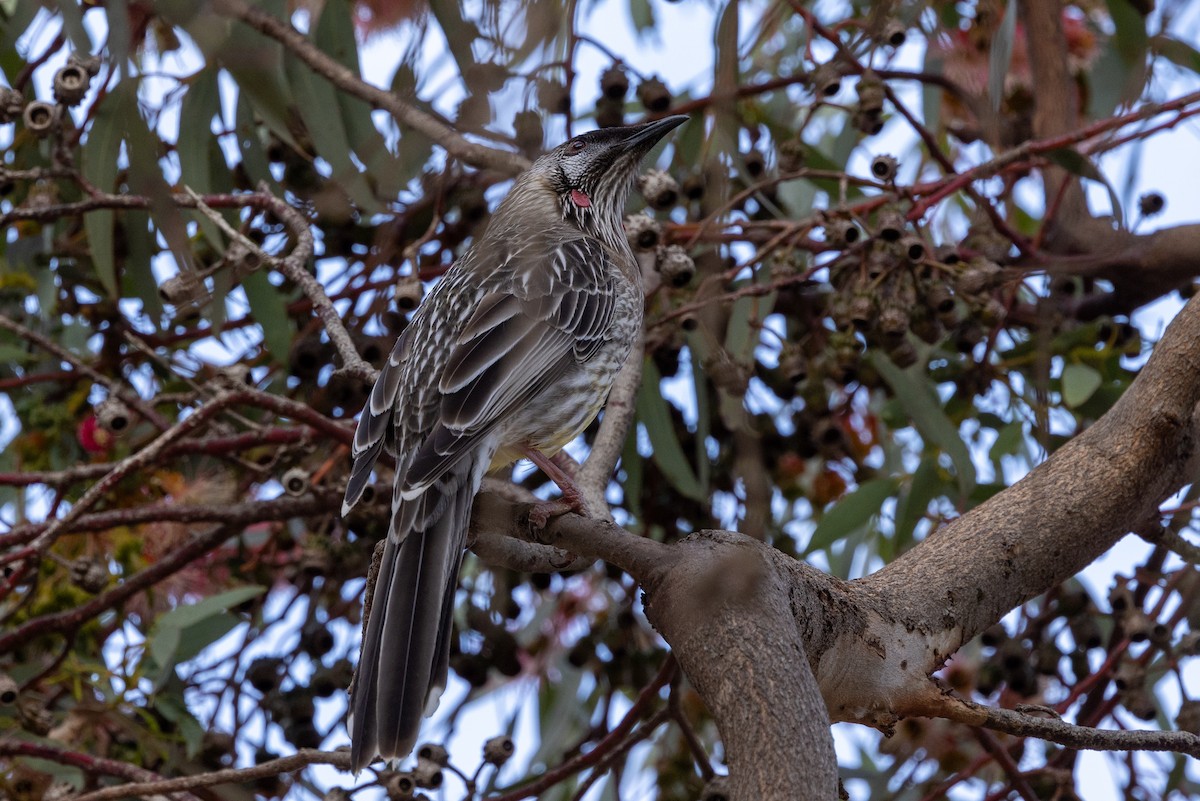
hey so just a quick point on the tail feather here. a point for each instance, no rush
(406, 647)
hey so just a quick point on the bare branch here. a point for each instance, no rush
(348, 81)
(303, 758)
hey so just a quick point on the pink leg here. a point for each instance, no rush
(556, 470)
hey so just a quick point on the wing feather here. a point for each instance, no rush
(515, 345)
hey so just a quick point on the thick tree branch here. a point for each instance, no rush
(1104, 483)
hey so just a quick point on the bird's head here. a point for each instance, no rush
(592, 173)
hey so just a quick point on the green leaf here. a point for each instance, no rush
(668, 454)
(1079, 382)
(335, 35)
(316, 99)
(65, 773)
(921, 403)
(269, 310)
(199, 636)
(137, 280)
(926, 484)
(186, 615)
(1009, 440)
(1000, 56)
(101, 153)
(254, 158)
(1179, 53)
(174, 709)
(641, 13)
(851, 513)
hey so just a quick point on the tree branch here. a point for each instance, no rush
(348, 81)
(303, 758)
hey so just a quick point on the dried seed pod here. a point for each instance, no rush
(243, 258)
(554, 97)
(1046, 658)
(940, 298)
(236, 374)
(883, 168)
(1130, 674)
(890, 225)
(90, 63)
(1137, 625)
(40, 118)
(894, 33)
(659, 189)
(407, 293)
(400, 786)
(8, 690)
(755, 163)
(977, 277)
(12, 103)
(654, 95)
(336, 794)
(610, 113)
(675, 265)
(870, 93)
(528, 131)
(90, 575)
(693, 187)
(71, 84)
(1086, 632)
(793, 364)
(946, 254)
(1151, 203)
(614, 83)
(182, 289)
(486, 77)
(33, 714)
(295, 481)
(791, 154)
(893, 322)
(308, 355)
(373, 349)
(869, 122)
(114, 416)
(913, 248)
(826, 80)
(497, 750)
(992, 312)
(434, 753)
(842, 232)
(1121, 598)
(642, 231)
(861, 311)
(428, 774)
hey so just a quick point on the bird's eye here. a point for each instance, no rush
(576, 145)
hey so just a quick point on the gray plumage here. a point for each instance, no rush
(514, 349)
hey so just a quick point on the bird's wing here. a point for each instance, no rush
(375, 426)
(553, 312)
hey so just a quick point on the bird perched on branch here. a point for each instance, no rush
(511, 355)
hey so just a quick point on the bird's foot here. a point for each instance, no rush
(540, 514)
(559, 469)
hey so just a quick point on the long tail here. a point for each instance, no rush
(406, 648)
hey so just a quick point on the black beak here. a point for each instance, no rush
(646, 135)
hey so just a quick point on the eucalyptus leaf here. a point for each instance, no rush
(916, 395)
(851, 513)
